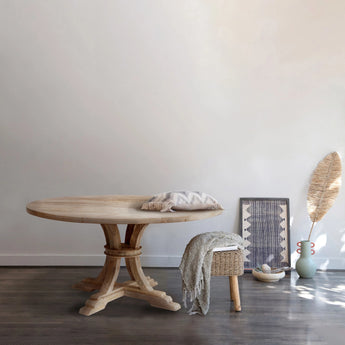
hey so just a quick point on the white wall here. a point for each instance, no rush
(234, 98)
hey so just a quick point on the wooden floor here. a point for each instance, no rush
(38, 306)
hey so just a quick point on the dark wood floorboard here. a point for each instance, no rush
(38, 306)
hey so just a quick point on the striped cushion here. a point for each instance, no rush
(168, 202)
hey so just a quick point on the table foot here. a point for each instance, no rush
(156, 298)
(90, 310)
(99, 301)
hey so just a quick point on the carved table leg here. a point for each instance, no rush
(140, 286)
(156, 298)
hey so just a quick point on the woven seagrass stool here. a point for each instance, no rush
(229, 263)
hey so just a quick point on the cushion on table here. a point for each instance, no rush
(185, 200)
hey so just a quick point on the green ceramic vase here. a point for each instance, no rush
(305, 266)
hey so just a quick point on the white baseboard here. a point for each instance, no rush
(146, 260)
(82, 260)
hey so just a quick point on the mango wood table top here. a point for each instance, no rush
(110, 209)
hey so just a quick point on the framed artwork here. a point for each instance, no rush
(265, 227)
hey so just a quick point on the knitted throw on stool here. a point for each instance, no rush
(196, 265)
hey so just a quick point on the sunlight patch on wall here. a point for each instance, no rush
(342, 250)
(324, 265)
(294, 258)
(320, 242)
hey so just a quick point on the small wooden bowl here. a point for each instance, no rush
(268, 277)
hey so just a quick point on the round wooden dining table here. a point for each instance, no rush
(109, 211)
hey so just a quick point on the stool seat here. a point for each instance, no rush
(229, 263)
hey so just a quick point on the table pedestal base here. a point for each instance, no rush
(140, 286)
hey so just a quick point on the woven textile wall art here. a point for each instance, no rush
(265, 225)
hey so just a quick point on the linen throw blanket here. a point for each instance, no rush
(196, 265)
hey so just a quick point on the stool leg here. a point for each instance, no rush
(234, 292)
(231, 293)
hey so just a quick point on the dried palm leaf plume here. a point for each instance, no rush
(324, 187)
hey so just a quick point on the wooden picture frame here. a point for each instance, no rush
(265, 228)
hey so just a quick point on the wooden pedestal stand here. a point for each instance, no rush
(140, 286)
